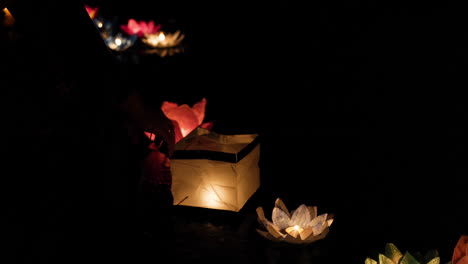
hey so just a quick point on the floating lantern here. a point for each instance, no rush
(119, 42)
(184, 117)
(92, 11)
(460, 253)
(140, 28)
(215, 171)
(163, 40)
(301, 226)
(394, 256)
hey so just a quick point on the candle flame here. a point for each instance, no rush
(161, 36)
(118, 41)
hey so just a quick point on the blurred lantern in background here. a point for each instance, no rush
(393, 255)
(163, 40)
(92, 11)
(119, 42)
(140, 28)
(164, 44)
(301, 226)
(215, 171)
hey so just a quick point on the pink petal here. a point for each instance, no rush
(150, 26)
(459, 253)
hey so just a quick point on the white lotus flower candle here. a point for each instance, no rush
(301, 226)
(163, 40)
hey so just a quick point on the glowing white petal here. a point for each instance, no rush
(279, 203)
(319, 219)
(300, 217)
(312, 211)
(280, 218)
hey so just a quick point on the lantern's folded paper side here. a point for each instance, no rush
(215, 171)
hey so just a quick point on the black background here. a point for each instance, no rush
(360, 105)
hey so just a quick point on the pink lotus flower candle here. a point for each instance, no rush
(140, 28)
(460, 253)
(184, 117)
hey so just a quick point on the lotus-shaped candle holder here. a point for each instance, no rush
(140, 28)
(393, 255)
(119, 42)
(301, 226)
(460, 253)
(163, 40)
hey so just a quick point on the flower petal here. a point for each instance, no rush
(306, 233)
(273, 230)
(312, 211)
(319, 219)
(461, 249)
(319, 228)
(279, 203)
(300, 217)
(266, 235)
(384, 260)
(393, 253)
(261, 217)
(280, 218)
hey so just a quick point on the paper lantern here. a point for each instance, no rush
(119, 42)
(301, 226)
(393, 255)
(215, 171)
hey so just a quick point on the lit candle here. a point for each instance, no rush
(162, 40)
(294, 231)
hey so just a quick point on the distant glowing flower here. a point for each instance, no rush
(185, 118)
(140, 28)
(92, 11)
(119, 42)
(460, 253)
(301, 226)
(163, 40)
(394, 256)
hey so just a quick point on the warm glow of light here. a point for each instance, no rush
(99, 24)
(161, 36)
(210, 198)
(118, 41)
(294, 230)
(92, 11)
(162, 40)
(187, 118)
(9, 20)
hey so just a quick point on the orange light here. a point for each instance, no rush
(9, 20)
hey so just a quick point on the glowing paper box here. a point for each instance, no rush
(215, 171)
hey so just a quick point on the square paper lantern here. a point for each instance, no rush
(215, 171)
